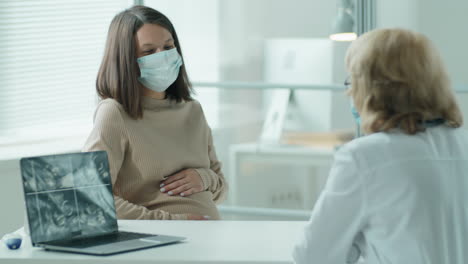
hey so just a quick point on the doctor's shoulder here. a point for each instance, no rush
(367, 147)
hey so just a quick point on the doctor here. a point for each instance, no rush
(398, 194)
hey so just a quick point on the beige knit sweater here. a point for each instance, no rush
(170, 137)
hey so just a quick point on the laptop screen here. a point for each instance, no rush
(68, 196)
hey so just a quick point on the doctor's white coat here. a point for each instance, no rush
(407, 195)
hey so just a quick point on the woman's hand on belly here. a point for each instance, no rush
(183, 183)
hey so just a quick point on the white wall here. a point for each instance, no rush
(242, 40)
(11, 197)
(398, 13)
(245, 27)
(444, 22)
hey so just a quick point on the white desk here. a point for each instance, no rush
(207, 242)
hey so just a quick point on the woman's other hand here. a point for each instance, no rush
(183, 183)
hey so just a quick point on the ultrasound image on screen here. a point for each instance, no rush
(53, 175)
(68, 195)
(58, 214)
(95, 218)
(91, 170)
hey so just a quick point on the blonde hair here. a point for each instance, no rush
(399, 81)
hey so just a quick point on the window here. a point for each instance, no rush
(50, 55)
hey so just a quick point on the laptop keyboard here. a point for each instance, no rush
(100, 240)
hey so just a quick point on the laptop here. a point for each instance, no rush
(70, 206)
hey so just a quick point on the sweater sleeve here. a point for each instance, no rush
(213, 178)
(109, 134)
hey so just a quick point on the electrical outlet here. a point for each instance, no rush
(290, 199)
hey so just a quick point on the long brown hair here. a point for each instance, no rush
(399, 81)
(118, 74)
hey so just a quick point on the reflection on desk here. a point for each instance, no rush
(207, 242)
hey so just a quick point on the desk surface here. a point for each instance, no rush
(207, 242)
(258, 148)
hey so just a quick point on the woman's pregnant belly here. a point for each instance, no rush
(199, 203)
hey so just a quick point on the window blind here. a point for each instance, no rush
(50, 52)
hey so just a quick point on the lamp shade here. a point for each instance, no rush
(343, 27)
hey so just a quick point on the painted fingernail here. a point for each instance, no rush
(206, 216)
(163, 189)
(170, 193)
(162, 184)
(182, 194)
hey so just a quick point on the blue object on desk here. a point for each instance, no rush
(12, 241)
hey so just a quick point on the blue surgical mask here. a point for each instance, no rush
(159, 70)
(434, 122)
(357, 118)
